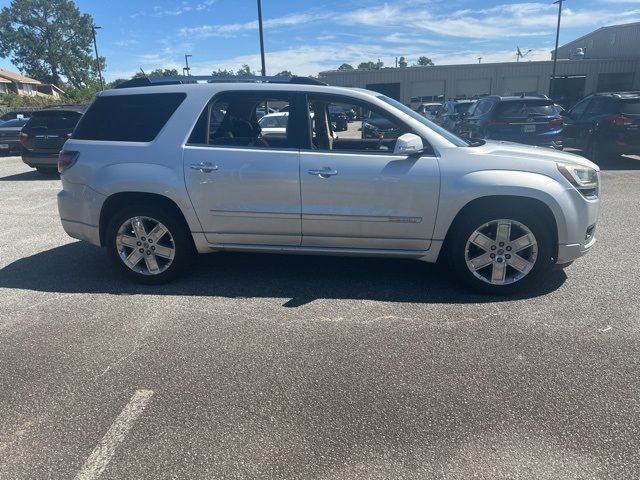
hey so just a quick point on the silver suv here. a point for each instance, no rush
(160, 172)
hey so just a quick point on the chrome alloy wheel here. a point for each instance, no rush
(145, 245)
(501, 252)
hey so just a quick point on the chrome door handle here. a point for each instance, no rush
(204, 167)
(324, 172)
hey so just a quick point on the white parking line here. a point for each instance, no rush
(102, 454)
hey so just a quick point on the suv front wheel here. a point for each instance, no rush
(500, 253)
(148, 245)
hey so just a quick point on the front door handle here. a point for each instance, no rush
(324, 172)
(204, 167)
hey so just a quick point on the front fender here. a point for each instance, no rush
(459, 191)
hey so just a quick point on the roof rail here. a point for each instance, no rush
(184, 79)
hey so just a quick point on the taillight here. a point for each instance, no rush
(66, 159)
(619, 120)
(555, 121)
(24, 137)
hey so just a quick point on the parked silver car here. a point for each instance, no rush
(160, 172)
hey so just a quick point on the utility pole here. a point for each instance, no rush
(555, 52)
(186, 61)
(479, 59)
(95, 46)
(264, 68)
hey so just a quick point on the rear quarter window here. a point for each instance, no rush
(128, 118)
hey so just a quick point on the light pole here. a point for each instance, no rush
(186, 61)
(264, 68)
(95, 47)
(555, 52)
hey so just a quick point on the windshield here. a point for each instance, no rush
(457, 141)
(526, 108)
(463, 107)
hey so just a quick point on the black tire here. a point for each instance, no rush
(182, 243)
(595, 152)
(47, 170)
(475, 218)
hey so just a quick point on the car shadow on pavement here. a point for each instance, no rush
(82, 268)
(619, 163)
(30, 176)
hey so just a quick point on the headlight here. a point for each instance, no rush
(584, 179)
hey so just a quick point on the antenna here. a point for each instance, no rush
(145, 75)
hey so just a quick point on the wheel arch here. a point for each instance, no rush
(492, 201)
(117, 201)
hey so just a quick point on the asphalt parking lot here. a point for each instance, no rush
(267, 366)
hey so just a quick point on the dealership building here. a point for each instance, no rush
(607, 59)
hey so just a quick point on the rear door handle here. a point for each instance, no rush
(204, 167)
(324, 172)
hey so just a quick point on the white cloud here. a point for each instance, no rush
(233, 29)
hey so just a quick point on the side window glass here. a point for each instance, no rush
(246, 121)
(597, 106)
(339, 127)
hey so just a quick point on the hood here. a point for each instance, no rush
(529, 153)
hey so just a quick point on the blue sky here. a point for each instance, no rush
(309, 36)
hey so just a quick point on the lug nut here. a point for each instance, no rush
(150, 241)
(142, 250)
(493, 247)
(499, 260)
(153, 248)
(501, 243)
(507, 256)
(138, 243)
(493, 255)
(148, 252)
(508, 249)
(143, 239)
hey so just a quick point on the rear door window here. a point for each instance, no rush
(128, 118)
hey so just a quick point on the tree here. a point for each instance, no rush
(158, 72)
(49, 40)
(370, 65)
(424, 62)
(284, 73)
(245, 71)
(345, 66)
(222, 73)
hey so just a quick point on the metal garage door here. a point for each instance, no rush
(473, 87)
(427, 91)
(519, 85)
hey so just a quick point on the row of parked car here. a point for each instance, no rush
(38, 135)
(602, 124)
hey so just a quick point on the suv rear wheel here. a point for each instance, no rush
(500, 252)
(148, 245)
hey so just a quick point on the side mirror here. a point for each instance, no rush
(408, 144)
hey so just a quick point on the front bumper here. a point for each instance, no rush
(581, 217)
(79, 208)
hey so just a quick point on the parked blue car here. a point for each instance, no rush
(528, 119)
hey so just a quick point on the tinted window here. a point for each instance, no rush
(598, 106)
(54, 120)
(631, 107)
(462, 107)
(579, 108)
(128, 118)
(525, 108)
(482, 107)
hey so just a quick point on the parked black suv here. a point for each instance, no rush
(44, 135)
(604, 125)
